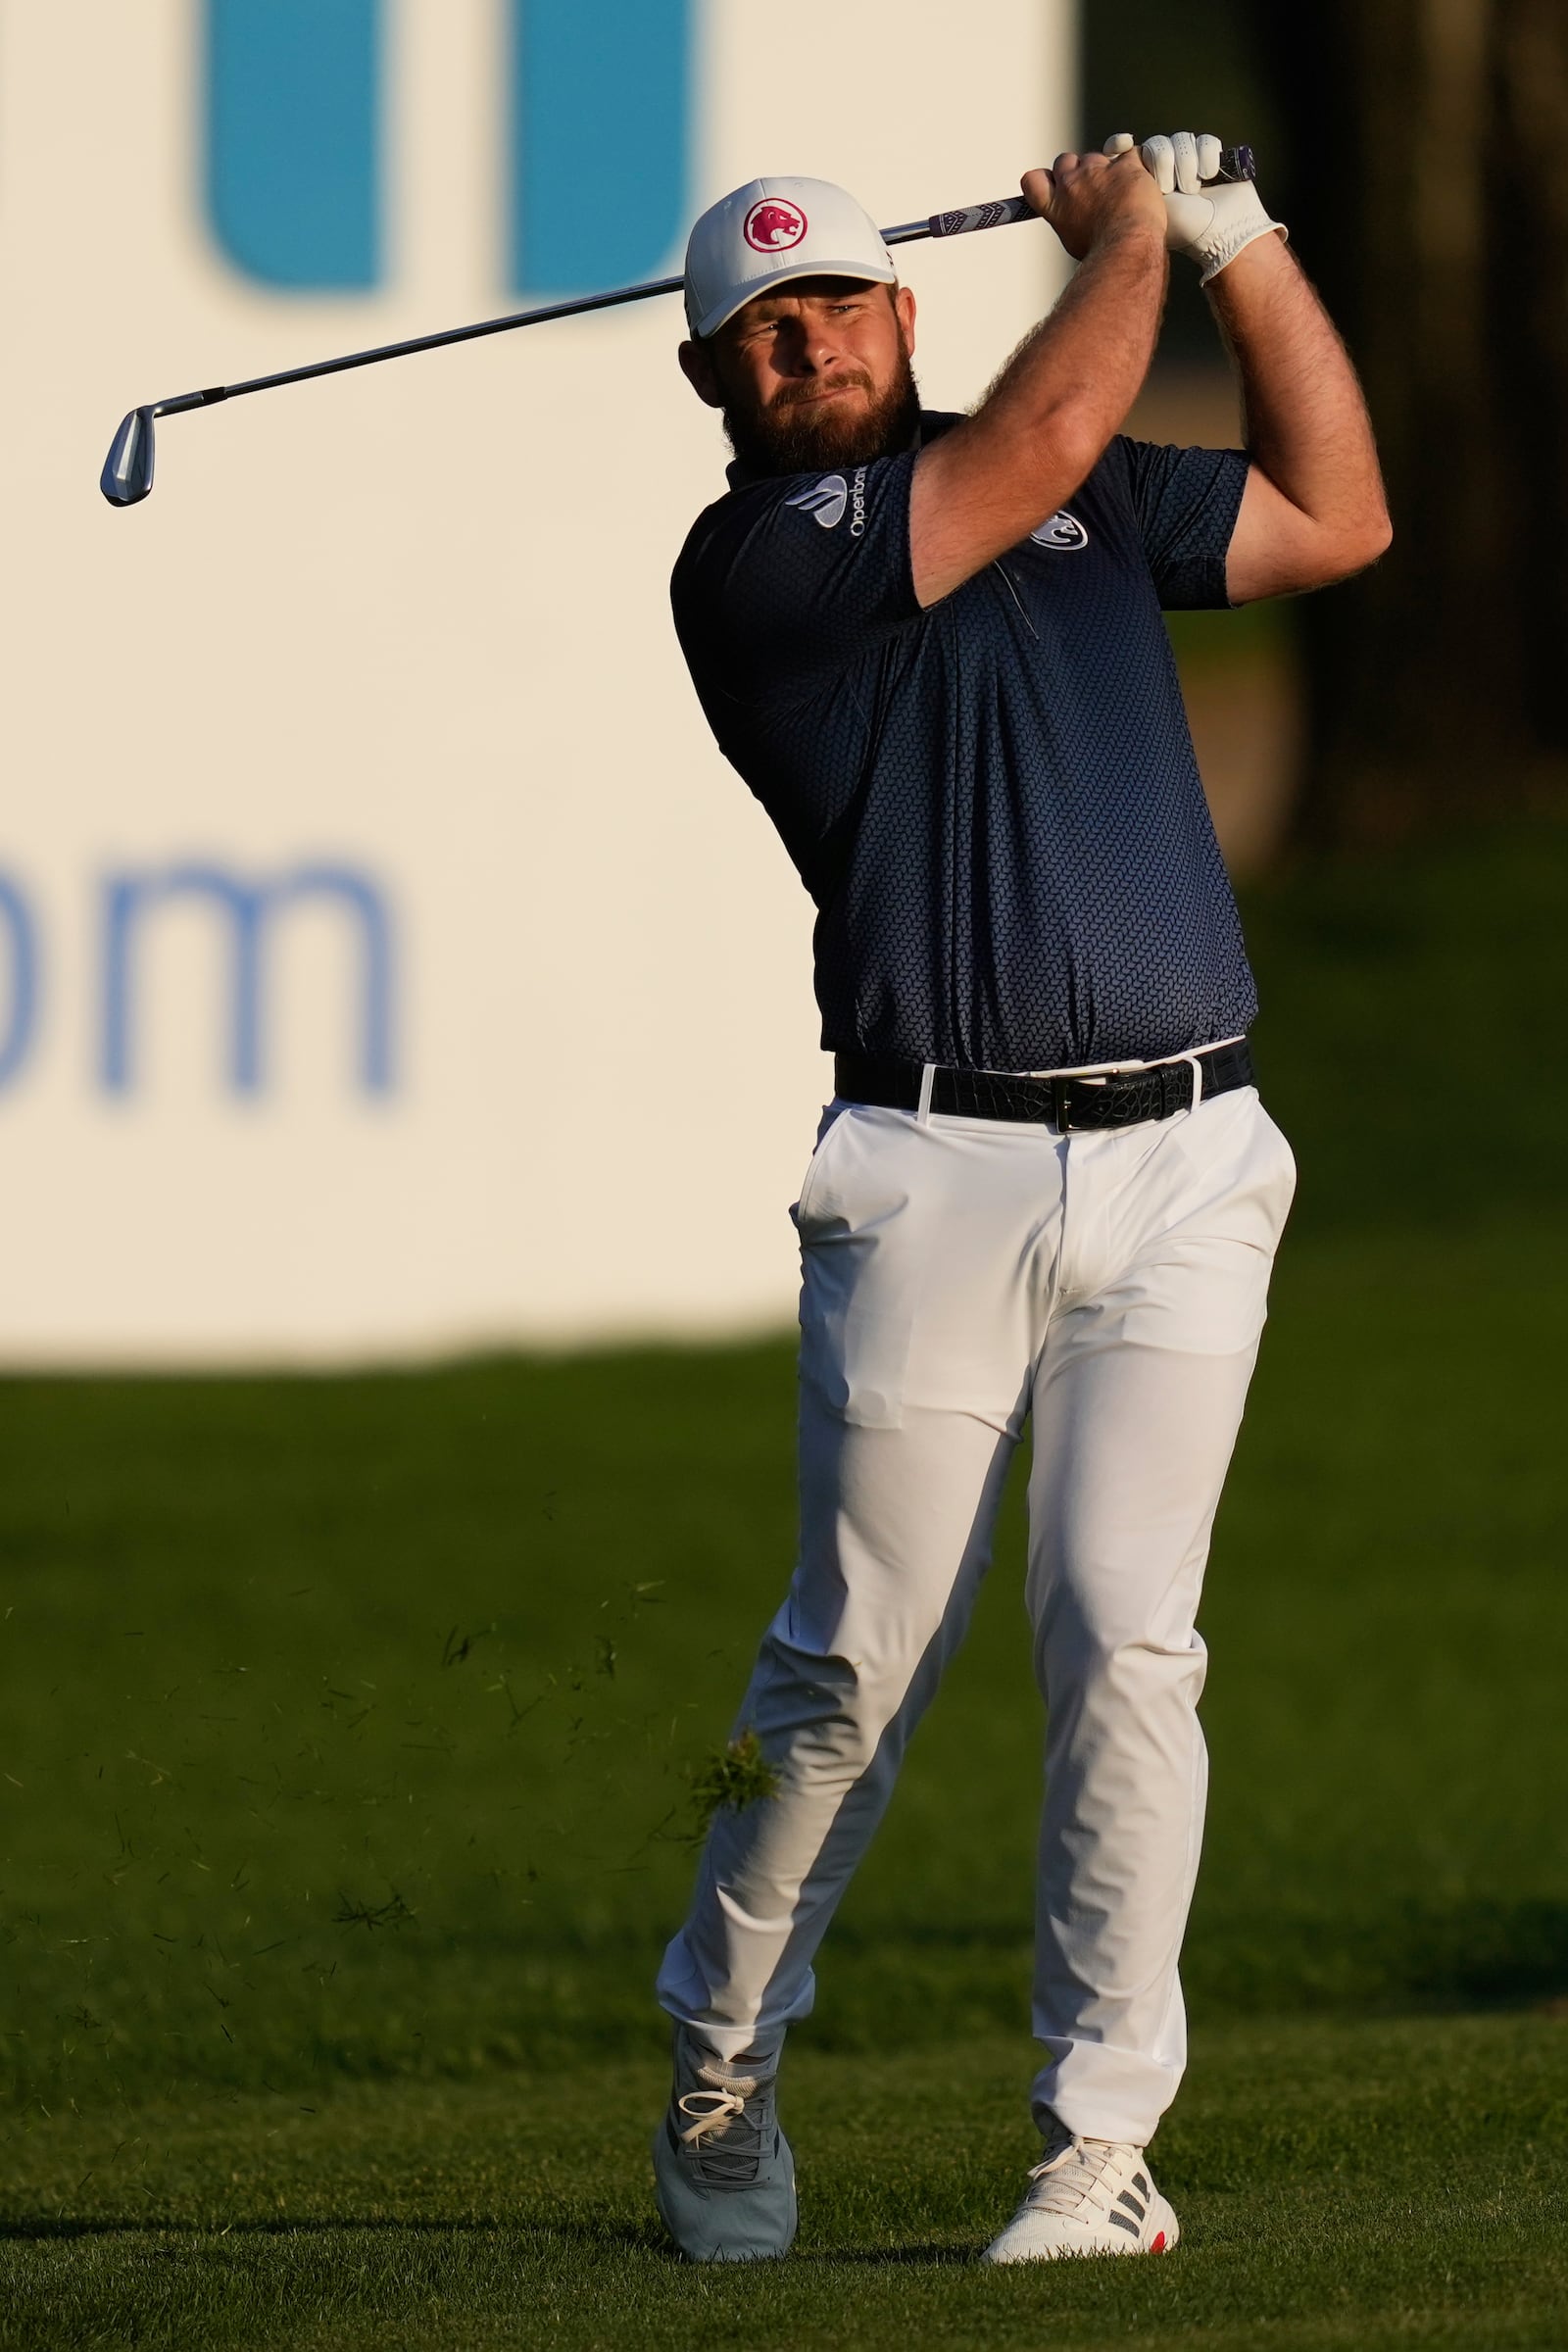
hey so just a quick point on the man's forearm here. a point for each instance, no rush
(1306, 423)
(1043, 426)
(1073, 379)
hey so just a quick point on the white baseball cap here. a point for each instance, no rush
(771, 230)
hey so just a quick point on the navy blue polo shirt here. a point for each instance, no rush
(995, 803)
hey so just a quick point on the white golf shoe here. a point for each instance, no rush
(1086, 2196)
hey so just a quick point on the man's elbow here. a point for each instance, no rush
(1342, 553)
(1312, 554)
(1374, 539)
(1362, 542)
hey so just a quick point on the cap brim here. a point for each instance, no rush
(886, 275)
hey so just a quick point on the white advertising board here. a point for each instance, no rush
(390, 963)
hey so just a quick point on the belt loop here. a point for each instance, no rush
(1197, 1079)
(928, 1079)
(1061, 1104)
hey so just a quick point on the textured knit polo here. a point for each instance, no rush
(995, 803)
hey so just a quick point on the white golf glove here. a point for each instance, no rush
(1210, 224)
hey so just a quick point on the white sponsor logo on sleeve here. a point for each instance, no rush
(1061, 532)
(826, 500)
(830, 499)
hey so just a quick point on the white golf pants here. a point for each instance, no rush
(961, 1275)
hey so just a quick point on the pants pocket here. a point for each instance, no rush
(1199, 1280)
(858, 1270)
(832, 1117)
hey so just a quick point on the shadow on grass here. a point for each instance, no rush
(934, 2253)
(603, 2235)
(1475, 1954)
(922, 1982)
(275, 2226)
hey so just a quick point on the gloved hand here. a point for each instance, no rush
(1211, 224)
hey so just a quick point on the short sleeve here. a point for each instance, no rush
(790, 578)
(1186, 502)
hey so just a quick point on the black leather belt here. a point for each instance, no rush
(1157, 1093)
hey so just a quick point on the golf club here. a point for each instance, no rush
(127, 474)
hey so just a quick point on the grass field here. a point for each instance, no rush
(349, 1727)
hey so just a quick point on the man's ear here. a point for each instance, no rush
(697, 367)
(903, 304)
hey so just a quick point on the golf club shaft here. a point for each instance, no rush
(435, 342)
(1236, 163)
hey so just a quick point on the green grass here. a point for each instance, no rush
(1314, 2166)
(354, 1731)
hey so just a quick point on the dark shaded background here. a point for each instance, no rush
(1150, 68)
(1419, 151)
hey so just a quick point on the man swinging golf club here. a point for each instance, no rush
(1046, 1187)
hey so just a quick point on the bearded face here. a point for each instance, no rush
(814, 376)
(846, 419)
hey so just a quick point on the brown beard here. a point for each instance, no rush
(799, 432)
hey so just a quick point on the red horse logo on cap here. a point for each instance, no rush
(773, 226)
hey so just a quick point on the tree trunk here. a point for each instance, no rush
(1430, 202)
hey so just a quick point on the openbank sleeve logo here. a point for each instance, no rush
(1061, 532)
(827, 499)
(297, 97)
(775, 224)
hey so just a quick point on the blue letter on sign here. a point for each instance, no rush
(294, 138)
(600, 103)
(23, 994)
(246, 907)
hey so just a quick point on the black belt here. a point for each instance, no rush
(1065, 1102)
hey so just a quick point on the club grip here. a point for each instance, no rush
(1235, 163)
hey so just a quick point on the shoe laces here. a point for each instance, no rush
(722, 2125)
(1074, 2175)
(710, 2111)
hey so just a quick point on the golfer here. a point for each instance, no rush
(1045, 1190)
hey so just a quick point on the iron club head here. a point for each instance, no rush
(127, 474)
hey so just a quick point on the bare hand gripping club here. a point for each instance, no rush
(127, 474)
